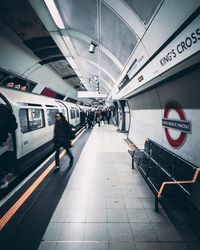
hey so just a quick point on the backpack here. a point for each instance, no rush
(69, 132)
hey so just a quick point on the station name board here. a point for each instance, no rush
(182, 46)
(184, 126)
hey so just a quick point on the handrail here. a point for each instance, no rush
(179, 182)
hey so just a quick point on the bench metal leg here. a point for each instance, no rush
(156, 204)
(133, 163)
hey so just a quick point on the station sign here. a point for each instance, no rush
(186, 44)
(181, 125)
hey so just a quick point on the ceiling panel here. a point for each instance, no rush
(20, 17)
(116, 35)
(144, 9)
(74, 82)
(62, 67)
(79, 15)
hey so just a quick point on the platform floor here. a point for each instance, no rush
(107, 205)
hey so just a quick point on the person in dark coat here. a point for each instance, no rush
(108, 114)
(63, 135)
(7, 122)
(90, 119)
(7, 125)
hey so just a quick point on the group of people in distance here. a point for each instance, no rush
(89, 118)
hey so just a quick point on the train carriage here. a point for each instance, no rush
(35, 116)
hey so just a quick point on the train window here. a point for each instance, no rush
(72, 113)
(62, 109)
(50, 106)
(51, 116)
(77, 113)
(23, 120)
(31, 119)
(36, 118)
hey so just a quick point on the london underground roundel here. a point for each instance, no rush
(180, 124)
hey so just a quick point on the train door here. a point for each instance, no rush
(77, 114)
(33, 132)
(72, 116)
(63, 109)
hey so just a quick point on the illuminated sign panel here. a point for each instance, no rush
(91, 94)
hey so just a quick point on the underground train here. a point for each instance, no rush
(35, 116)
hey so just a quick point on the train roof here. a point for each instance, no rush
(17, 97)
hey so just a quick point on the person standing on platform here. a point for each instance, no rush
(7, 125)
(83, 118)
(108, 114)
(90, 119)
(63, 135)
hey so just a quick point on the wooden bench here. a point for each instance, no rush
(165, 172)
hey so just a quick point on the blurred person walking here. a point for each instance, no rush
(63, 135)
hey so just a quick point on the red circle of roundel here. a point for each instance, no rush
(176, 143)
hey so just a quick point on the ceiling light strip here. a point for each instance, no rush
(54, 13)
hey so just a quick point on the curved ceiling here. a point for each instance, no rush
(115, 26)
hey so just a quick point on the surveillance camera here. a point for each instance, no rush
(92, 47)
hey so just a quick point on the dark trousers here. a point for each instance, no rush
(68, 152)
